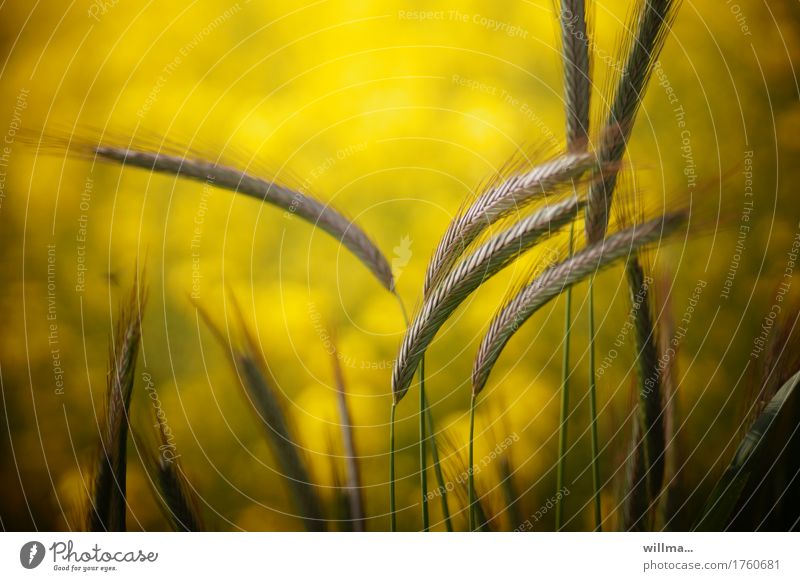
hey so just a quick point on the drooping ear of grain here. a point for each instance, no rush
(108, 509)
(468, 275)
(555, 279)
(294, 203)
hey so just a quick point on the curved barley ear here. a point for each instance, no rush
(468, 275)
(498, 201)
(109, 490)
(651, 20)
(313, 211)
(554, 280)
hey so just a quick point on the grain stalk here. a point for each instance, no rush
(109, 490)
(437, 469)
(486, 261)
(427, 416)
(500, 200)
(471, 477)
(577, 93)
(423, 452)
(392, 476)
(652, 23)
(668, 359)
(595, 440)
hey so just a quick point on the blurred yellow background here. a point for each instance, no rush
(394, 112)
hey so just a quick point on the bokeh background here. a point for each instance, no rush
(394, 112)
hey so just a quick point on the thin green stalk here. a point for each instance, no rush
(392, 506)
(437, 468)
(392, 477)
(598, 514)
(428, 418)
(562, 431)
(423, 451)
(471, 487)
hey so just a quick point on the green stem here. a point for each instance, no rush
(392, 492)
(423, 454)
(598, 514)
(437, 468)
(562, 429)
(392, 506)
(428, 418)
(471, 484)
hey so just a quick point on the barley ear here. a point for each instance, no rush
(652, 21)
(467, 276)
(511, 194)
(577, 73)
(109, 488)
(251, 371)
(552, 282)
(294, 203)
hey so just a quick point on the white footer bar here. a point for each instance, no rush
(383, 556)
